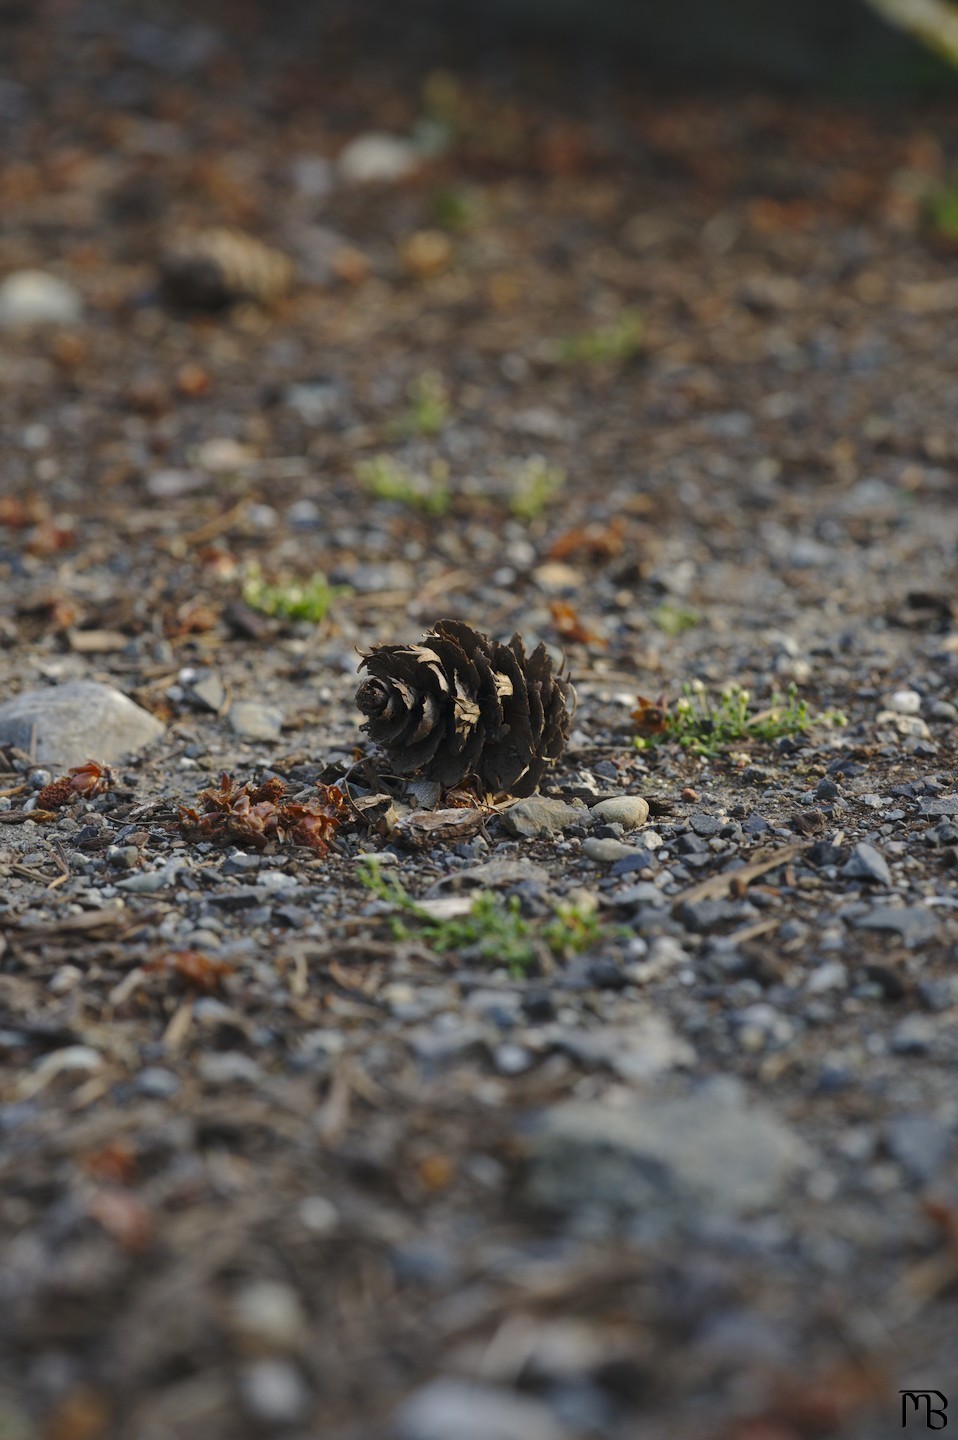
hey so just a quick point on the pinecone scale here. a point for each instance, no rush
(459, 705)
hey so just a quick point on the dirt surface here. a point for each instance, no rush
(272, 1165)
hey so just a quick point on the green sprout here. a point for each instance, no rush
(941, 210)
(292, 599)
(535, 483)
(706, 725)
(428, 409)
(453, 208)
(613, 344)
(674, 619)
(494, 931)
(388, 479)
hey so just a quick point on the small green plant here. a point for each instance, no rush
(572, 930)
(674, 619)
(706, 725)
(494, 930)
(534, 484)
(453, 208)
(941, 211)
(292, 599)
(388, 479)
(428, 408)
(613, 344)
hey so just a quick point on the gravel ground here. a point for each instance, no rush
(272, 1162)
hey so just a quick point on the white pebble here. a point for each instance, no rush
(379, 158)
(32, 297)
(904, 702)
(270, 1311)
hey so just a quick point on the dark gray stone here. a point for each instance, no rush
(701, 916)
(867, 863)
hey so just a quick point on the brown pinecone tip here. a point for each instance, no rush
(460, 705)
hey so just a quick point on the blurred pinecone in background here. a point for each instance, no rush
(460, 705)
(213, 268)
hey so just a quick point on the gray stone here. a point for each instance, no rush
(254, 721)
(867, 863)
(147, 882)
(629, 811)
(701, 916)
(209, 692)
(634, 1052)
(448, 1409)
(706, 1153)
(915, 1035)
(66, 725)
(945, 805)
(32, 297)
(274, 1392)
(607, 852)
(919, 1143)
(914, 923)
(707, 825)
(539, 817)
(157, 1083)
(229, 1067)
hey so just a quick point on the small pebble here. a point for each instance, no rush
(271, 1312)
(157, 1083)
(274, 1392)
(904, 702)
(606, 852)
(377, 158)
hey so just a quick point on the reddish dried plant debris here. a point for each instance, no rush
(124, 1217)
(651, 716)
(596, 541)
(194, 968)
(19, 512)
(83, 782)
(566, 620)
(259, 815)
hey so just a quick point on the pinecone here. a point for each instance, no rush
(462, 705)
(217, 267)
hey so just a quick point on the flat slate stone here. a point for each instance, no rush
(912, 922)
(710, 1152)
(64, 725)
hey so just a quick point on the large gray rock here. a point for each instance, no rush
(65, 725)
(706, 1153)
(538, 816)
